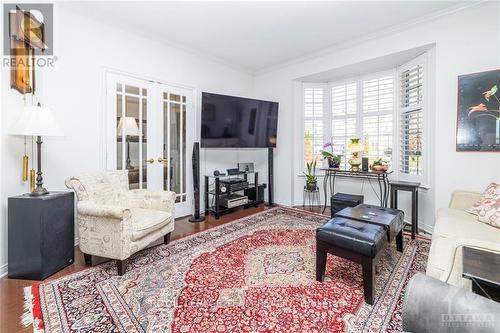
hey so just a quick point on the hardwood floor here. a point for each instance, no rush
(11, 290)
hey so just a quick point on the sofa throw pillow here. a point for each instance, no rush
(487, 208)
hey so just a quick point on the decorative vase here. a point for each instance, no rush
(332, 164)
(311, 186)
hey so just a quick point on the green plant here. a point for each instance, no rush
(311, 172)
(380, 161)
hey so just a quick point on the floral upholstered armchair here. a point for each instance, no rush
(114, 221)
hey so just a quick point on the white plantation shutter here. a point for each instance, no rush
(344, 116)
(377, 110)
(313, 122)
(411, 120)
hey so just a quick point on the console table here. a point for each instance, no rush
(380, 176)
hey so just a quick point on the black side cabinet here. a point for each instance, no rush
(41, 234)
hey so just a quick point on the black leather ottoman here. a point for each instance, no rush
(353, 240)
(340, 201)
(392, 220)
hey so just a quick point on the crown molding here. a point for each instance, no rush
(379, 34)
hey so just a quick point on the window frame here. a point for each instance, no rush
(424, 178)
(326, 130)
(425, 61)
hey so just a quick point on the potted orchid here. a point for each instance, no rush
(333, 159)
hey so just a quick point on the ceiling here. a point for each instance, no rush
(255, 36)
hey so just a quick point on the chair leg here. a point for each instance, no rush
(121, 265)
(166, 238)
(320, 262)
(368, 279)
(399, 241)
(88, 259)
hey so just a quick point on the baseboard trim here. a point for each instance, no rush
(4, 270)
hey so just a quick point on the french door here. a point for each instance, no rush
(148, 126)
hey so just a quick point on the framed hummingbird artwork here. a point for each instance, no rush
(478, 112)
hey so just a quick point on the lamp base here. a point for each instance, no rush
(39, 191)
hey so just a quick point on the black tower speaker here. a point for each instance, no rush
(196, 184)
(270, 174)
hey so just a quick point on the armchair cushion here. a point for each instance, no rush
(145, 221)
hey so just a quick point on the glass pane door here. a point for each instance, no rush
(149, 126)
(131, 128)
(174, 144)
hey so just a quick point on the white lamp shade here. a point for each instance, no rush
(131, 128)
(355, 147)
(36, 121)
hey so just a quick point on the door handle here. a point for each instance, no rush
(150, 160)
(161, 159)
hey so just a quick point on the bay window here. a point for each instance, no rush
(385, 110)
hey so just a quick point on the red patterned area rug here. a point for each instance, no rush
(256, 274)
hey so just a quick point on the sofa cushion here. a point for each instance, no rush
(459, 224)
(145, 221)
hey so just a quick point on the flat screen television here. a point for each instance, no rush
(236, 122)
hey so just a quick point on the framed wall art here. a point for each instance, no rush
(478, 112)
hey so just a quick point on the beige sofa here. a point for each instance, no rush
(454, 229)
(115, 222)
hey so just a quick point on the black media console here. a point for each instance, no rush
(224, 193)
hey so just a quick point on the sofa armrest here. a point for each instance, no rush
(90, 208)
(463, 200)
(431, 305)
(160, 200)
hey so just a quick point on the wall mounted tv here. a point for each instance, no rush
(236, 122)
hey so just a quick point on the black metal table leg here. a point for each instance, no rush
(380, 190)
(325, 189)
(386, 190)
(207, 203)
(332, 183)
(217, 194)
(256, 181)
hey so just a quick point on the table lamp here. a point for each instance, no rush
(355, 147)
(131, 129)
(36, 121)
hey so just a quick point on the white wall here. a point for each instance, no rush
(74, 91)
(465, 42)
